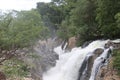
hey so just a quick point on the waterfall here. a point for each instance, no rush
(74, 65)
(98, 63)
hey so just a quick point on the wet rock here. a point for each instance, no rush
(113, 44)
(88, 64)
(108, 44)
(86, 44)
(98, 52)
(91, 59)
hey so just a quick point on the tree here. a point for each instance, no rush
(98, 19)
(106, 11)
(51, 12)
(117, 17)
(81, 20)
(65, 7)
(19, 30)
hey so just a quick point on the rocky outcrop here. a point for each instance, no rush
(86, 44)
(42, 57)
(71, 43)
(108, 72)
(115, 45)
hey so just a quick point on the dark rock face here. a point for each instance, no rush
(86, 68)
(86, 44)
(2, 76)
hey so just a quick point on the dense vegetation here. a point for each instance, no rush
(19, 30)
(85, 19)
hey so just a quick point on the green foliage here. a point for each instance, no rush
(66, 30)
(117, 17)
(51, 13)
(15, 68)
(20, 30)
(88, 19)
(81, 20)
(116, 62)
(106, 11)
(83, 17)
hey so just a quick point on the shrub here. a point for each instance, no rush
(116, 61)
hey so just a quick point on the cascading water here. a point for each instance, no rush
(73, 65)
(98, 63)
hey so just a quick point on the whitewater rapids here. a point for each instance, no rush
(68, 65)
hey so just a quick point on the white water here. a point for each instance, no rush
(98, 61)
(68, 65)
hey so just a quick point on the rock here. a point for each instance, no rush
(101, 73)
(91, 59)
(86, 44)
(45, 57)
(108, 72)
(113, 44)
(88, 63)
(71, 43)
(2, 76)
(97, 52)
(108, 44)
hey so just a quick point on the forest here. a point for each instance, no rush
(87, 20)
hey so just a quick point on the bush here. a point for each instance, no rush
(15, 68)
(116, 61)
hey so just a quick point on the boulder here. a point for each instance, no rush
(115, 45)
(86, 44)
(97, 52)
